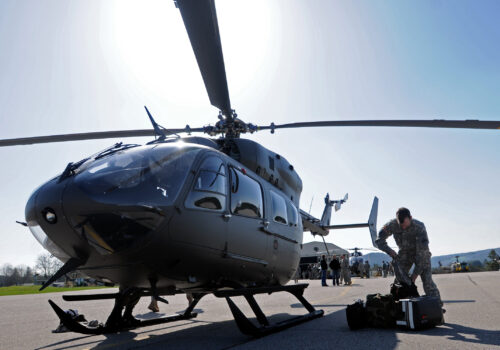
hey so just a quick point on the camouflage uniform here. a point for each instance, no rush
(413, 246)
(345, 272)
(361, 269)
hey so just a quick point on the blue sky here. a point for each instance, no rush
(76, 66)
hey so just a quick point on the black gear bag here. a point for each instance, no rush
(420, 313)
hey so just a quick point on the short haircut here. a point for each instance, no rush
(402, 214)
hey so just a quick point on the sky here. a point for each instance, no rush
(89, 65)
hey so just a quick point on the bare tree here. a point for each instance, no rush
(44, 264)
(6, 269)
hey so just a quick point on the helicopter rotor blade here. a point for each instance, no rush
(90, 136)
(435, 123)
(200, 20)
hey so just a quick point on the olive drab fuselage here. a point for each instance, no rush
(181, 213)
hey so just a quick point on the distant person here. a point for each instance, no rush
(335, 267)
(385, 269)
(391, 268)
(411, 237)
(345, 270)
(324, 268)
(361, 269)
(367, 269)
(297, 274)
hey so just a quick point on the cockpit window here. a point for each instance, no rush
(146, 175)
(246, 195)
(214, 164)
(279, 208)
(209, 191)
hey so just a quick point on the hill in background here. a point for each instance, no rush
(481, 255)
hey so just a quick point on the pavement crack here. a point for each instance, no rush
(472, 281)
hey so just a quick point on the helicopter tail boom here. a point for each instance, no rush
(317, 227)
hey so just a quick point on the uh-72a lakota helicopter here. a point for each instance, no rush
(187, 215)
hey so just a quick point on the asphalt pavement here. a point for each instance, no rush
(472, 301)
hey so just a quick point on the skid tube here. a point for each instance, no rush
(265, 328)
(118, 320)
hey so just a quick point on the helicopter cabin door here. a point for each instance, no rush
(201, 223)
(247, 243)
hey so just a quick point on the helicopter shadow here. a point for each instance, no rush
(300, 306)
(153, 315)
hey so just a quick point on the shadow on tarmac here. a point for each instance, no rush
(324, 333)
(466, 334)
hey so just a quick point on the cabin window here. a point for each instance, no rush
(209, 191)
(293, 216)
(246, 195)
(279, 208)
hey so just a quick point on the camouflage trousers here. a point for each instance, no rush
(345, 274)
(430, 287)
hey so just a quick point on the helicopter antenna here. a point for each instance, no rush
(310, 205)
(158, 131)
(326, 247)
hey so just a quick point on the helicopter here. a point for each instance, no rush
(188, 214)
(356, 259)
(458, 266)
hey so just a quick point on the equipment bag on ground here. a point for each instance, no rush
(420, 313)
(379, 311)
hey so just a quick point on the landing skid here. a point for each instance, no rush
(265, 328)
(120, 320)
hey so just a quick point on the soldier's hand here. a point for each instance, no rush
(413, 278)
(393, 254)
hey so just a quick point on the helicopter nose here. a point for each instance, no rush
(47, 222)
(110, 220)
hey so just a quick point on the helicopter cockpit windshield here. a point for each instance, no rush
(154, 173)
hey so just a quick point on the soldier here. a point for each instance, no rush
(346, 274)
(361, 269)
(324, 268)
(411, 237)
(367, 269)
(385, 268)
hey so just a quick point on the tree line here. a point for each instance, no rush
(45, 266)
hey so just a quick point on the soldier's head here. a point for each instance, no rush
(404, 218)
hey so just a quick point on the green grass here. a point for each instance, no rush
(19, 290)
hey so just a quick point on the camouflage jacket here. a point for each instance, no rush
(413, 242)
(344, 263)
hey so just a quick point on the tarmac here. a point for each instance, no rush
(472, 301)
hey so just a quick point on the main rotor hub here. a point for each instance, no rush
(230, 126)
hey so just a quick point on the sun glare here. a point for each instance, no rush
(151, 45)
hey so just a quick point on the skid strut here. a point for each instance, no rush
(247, 327)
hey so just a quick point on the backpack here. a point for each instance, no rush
(381, 310)
(356, 315)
